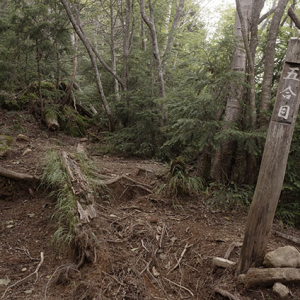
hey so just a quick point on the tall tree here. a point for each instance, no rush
(222, 162)
(76, 23)
(156, 52)
(269, 62)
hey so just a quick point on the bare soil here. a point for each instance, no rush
(151, 246)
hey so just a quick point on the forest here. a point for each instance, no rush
(147, 80)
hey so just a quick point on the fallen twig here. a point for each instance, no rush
(144, 246)
(28, 276)
(181, 257)
(226, 294)
(57, 269)
(162, 235)
(16, 176)
(231, 247)
(180, 286)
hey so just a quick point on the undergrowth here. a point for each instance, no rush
(179, 183)
(230, 196)
(54, 178)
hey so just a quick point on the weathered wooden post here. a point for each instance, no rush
(274, 160)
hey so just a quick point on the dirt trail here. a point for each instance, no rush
(152, 247)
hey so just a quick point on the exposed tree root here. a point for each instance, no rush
(16, 176)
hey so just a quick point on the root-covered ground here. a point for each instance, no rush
(149, 245)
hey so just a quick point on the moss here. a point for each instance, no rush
(5, 144)
(72, 123)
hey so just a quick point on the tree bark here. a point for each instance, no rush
(222, 161)
(113, 51)
(274, 160)
(155, 48)
(294, 17)
(173, 31)
(78, 29)
(269, 63)
(267, 277)
(16, 176)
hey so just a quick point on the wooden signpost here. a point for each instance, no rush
(274, 160)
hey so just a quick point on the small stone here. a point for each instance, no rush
(26, 151)
(223, 263)
(28, 292)
(4, 281)
(24, 270)
(23, 138)
(281, 290)
(163, 256)
(31, 215)
(10, 226)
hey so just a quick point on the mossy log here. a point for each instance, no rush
(86, 246)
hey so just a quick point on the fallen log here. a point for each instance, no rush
(268, 276)
(51, 120)
(16, 176)
(84, 240)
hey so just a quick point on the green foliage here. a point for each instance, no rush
(288, 212)
(230, 196)
(179, 183)
(72, 123)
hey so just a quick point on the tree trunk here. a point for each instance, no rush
(173, 31)
(269, 63)
(113, 51)
(89, 48)
(222, 162)
(75, 64)
(155, 48)
(272, 170)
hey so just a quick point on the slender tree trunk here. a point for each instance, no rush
(269, 63)
(160, 74)
(74, 70)
(113, 50)
(143, 35)
(222, 162)
(173, 31)
(2, 7)
(126, 47)
(38, 63)
(89, 48)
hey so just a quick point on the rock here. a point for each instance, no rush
(26, 151)
(281, 290)
(287, 256)
(4, 281)
(223, 263)
(81, 148)
(23, 138)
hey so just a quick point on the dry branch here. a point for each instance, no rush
(16, 176)
(231, 248)
(181, 257)
(288, 237)
(267, 277)
(294, 17)
(28, 276)
(140, 185)
(180, 286)
(226, 294)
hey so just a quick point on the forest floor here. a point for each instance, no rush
(152, 247)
